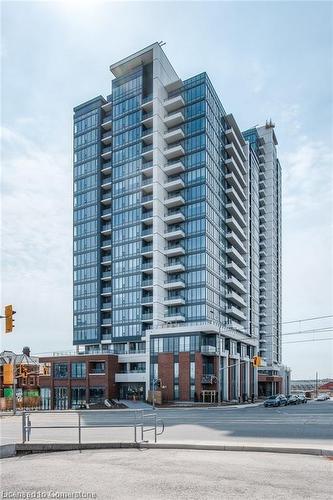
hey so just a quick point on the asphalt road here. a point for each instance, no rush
(168, 474)
(304, 425)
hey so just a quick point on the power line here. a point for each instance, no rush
(307, 319)
(306, 340)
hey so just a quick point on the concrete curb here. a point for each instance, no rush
(29, 448)
(7, 450)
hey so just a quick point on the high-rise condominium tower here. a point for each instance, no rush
(176, 235)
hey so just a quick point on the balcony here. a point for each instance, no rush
(147, 102)
(174, 183)
(147, 185)
(174, 250)
(106, 244)
(147, 233)
(236, 271)
(174, 199)
(147, 299)
(235, 284)
(147, 200)
(233, 182)
(106, 198)
(147, 316)
(147, 216)
(106, 276)
(174, 215)
(106, 153)
(173, 119)
(233, 196)
(107, 106)
(237, 160)
(147, 168)
(107, 122)
(147, 118)
(234, 139)
(235, 212)
(236, 299)
(174, 317)
(107, 137)
(234, 226)
(147, 250)
(236, 256)
(174, 152)
(147, 283)
(209, 350)
(106, 183)
(147, 152)
(174, 134)
(106, 168)
(174, 233)
(173, 103)
(174, 283)
(106, 229)
(208, 379)
(106, 291)
(175, 300)
(174, 266)
(106, 306)
(236, 313)
(106, 322)
(147, 135)
(106, 260)
(106, 214)
(147, 267)
(236, 242)
(174, 167)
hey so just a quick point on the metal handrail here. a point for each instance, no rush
(139, 416)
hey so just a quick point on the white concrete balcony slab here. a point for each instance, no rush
(106, 244)
(147, 267)
(147, 201)
(234, 226)
(262, 185)
(106, 168)
(235, 212)
(172, 152)
(175, 284)
(107, 123)
(106, 260)
(106, 198)
(174, 318)
(147, 233)
(174, 184)
(132, 357)
(235, 284)
(106, 155)
(147, 136)
(147, 119)
(233, 181)
(106, 229)
(106, 214)
(147, 103)
(147, 284)
(174, 200)
(174, 234)
(106, 276)
(232, 136)
(106, 307)
(177, 134)
(147, 250)
(233, 196)
(176, 167)
(175, 217)
(209, 350)
(175, 301)
(233, 254)
(173, 103)
(236, 242)
(236, 271)
(174, 251)
(107, 106)
(236, 299)
(147, 152)
(106, 292)
(174, 268)
(173, 119)
(236, 163)
(130, 377)
(107, 137)
(236, 313)
(147, 185)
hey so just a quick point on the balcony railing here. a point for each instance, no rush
(147, 214)
(147, 98)
(106, 180)
(147, 265)
(147, 131)
(147, 164)
(106, 243)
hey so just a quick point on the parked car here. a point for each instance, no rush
(276, 400)
(323, 397)
(302, 398)
(292, 399)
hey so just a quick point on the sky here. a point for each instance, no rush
(265, 59)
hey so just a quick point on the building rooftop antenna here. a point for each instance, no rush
(161, 43)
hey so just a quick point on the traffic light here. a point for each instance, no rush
(8, 374)
(256, 361)
(9, 313)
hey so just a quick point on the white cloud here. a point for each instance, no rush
(37, 239)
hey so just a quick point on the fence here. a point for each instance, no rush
(140, 420)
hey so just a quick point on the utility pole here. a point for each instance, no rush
(219, 378)
(316, 384)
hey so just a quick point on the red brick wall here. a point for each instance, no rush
(165, 373)
(198, 374)
(184, 376)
